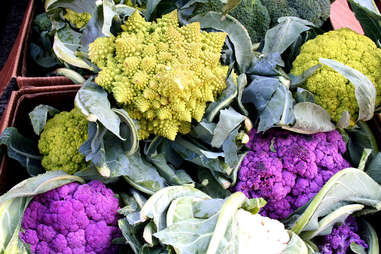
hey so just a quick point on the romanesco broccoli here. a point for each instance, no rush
(60, 141)
(331, 90)
(250, 13)
(77, 20)
(162, 74)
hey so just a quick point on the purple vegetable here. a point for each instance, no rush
(72, 219)
(341, 237)
(288, 169)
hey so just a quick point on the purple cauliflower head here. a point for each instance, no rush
(72, 219)
(288, 169)
(341, 238)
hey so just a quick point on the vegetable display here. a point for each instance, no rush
(216, 127)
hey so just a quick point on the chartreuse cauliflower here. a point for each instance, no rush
(76, 19)
(73, 218)
(331, 90)
(163, 74)
(60, 141)
(289, 169)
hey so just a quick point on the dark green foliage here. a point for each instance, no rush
(316, 11)
(250, 13)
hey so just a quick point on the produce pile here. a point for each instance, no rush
(203, 127)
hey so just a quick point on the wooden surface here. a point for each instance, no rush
(342, 16)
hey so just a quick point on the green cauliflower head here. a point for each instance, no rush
(331, 90)
(60, 141)
(77, 20)
(162, 74)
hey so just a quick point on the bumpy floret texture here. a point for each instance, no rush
(162, 74)
(289, 169)
(250, 13)
(76, 19)
(316, 11)
(72, 219)
(60, 141)
(341, 237)
(331, 90)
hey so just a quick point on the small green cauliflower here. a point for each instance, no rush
(331, 90)
(60, 141)
(77, 20)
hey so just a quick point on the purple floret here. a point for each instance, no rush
(288, 169)
(72, 219)
(341, 237)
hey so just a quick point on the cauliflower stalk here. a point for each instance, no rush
(78, 20)
(331, 90)
(60, 141)
(162, 74)
(289, 169)
(73, 218)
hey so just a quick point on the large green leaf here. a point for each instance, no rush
(160, 201)
(39, 115)
(280, 37)
(365, 91)
(129, 235)
(23, 150)
(374, 168)
(228, 121)
(369, 235)
(272, 100)
(338, 192)
(243, 49)
(75, 5)
(296, 245)
(369, 20)
(92, 100)
(310, 118)
(39, 184)
(66, 43)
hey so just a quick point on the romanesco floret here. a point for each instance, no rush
(316, 11)
(331, 90)
(161, 73)
(250, 13)
(60, 141)
(77, 20)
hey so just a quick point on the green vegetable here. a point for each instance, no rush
(78, 20)
(60, 141)
(162, 74)
(331, 89)
(250, 13)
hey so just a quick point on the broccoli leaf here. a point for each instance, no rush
(39, 184)
(157, 204)
(336, 217)
(310, 118)
(229, 120)
(75, 5)
(129, 235)
(369, 235)
(337, 192)
(295, 245)
(303, 95)
(204, 131)
(272, 100)
(226, 97)
(66, 42)
(374, 168)
(369, 20)
(39, 115)
(242, 83)
(23, 150)
(237, 34)
(365, 91)
(266, 65)
(92, 100)
(208, 184)
(280, 37)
